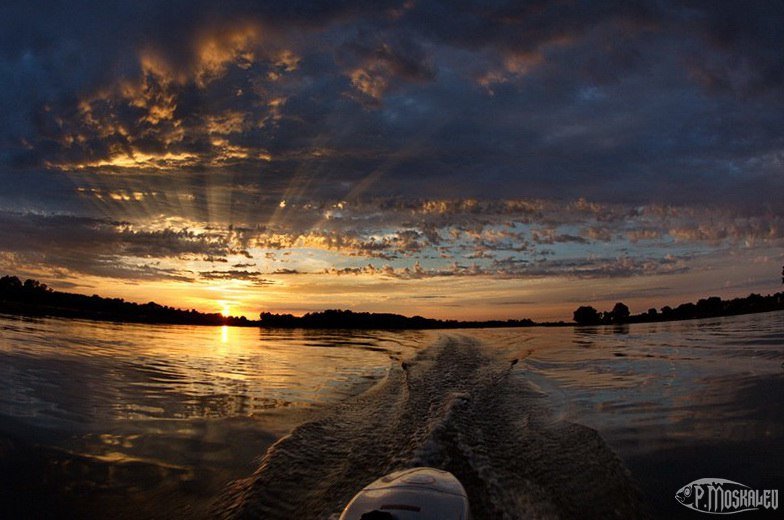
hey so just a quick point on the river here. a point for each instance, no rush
(103, 420)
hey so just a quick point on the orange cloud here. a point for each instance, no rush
(519, 63)
(133, 159)
(215, 50)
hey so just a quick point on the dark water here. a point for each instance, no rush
(677, 401)
(453, 406)
(129, 421)
(107, 421)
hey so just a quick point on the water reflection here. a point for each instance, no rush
(55, 371)
(677, 400)
(142, 412)
(181, 409)
(675, 377)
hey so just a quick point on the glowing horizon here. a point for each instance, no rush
(516, 164)
(465, 259)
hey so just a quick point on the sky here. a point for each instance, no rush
(454, 159)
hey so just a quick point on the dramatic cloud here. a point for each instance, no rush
(615, 101)
(397, 239)
(266, 142)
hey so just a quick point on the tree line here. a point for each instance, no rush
(346, 319)
(704, 308)
(32, 297)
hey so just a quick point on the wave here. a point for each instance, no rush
(454, 406)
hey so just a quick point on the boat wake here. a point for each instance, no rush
(454, 406)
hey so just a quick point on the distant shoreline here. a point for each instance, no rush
(416, 323)
(31, 298)
(239, 322)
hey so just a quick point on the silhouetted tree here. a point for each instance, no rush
(587, 315)
(620, 313)
(346, 319)
(35, 298)
(710, 306)
(10, 283)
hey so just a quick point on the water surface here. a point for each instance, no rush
(154, 420)
(110, 420)
(677, 401)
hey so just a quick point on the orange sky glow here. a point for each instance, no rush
(245, 165)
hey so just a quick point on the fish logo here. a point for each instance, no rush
(722, 497)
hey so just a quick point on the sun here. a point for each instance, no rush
(226, 310)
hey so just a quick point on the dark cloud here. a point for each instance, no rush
(100, 247)
(632, 102)
(391, 238)
(233, 274)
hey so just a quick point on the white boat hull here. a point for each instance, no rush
(410, 494)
